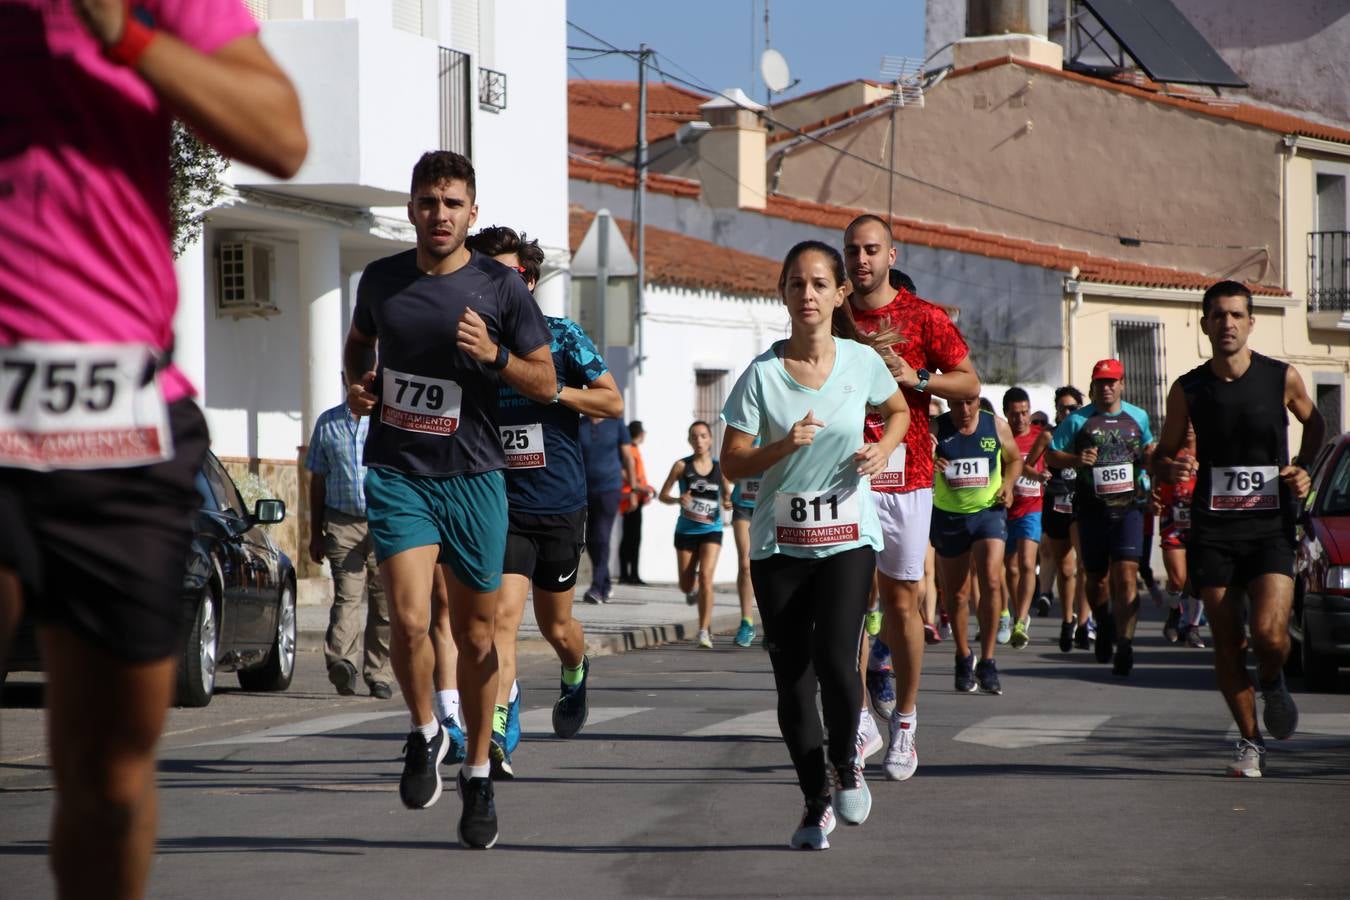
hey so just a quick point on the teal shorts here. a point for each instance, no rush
(465, 515)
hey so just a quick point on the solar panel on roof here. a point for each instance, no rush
(1163, 42)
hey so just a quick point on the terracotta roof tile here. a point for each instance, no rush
(602, 115)
(682, 261)
(1092, 268)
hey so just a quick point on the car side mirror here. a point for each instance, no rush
(269, 512)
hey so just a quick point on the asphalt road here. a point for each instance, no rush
(1073, 783)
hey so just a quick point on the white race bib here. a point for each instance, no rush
(893, 476)
(750, 490)
(1026, 487)
(970, 472)
(1063, 504)
(816, 518)
(1181, 514)
(701, 510)
(421, 404)
(524, 445)
(1109, 481)
(1244, 487)
(81, 406)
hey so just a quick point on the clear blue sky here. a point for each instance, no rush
(718, 42)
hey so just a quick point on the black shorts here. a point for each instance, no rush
(1214, 564)
(694, 541)
(102, 551)
(545, 548)
(953, 534)
(1104, 538)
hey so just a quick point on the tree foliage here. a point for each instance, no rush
(195, 185)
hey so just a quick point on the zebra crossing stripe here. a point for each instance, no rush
(757, 724)
(283, 733)
(539, 722)
(1322, 728)
(1021, 732)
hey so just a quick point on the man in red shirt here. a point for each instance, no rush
(1024, 517)
(928, 358)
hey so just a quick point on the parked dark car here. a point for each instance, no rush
(238, 597)
(1320, 624)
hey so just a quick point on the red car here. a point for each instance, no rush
(1320, 624)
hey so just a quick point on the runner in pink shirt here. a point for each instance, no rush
(100, 440)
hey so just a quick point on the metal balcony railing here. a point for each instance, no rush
(1329, 271)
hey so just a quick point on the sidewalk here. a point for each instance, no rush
(635, 617)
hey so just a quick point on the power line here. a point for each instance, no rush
(698, 85)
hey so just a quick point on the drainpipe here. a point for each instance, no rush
(1073, 289)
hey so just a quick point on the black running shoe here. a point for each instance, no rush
(478, 821)
(499, 759)
(569, 710)
(1171, 629)
(1066, 637)
(1106, 634)
(420, 785)
(986, 673)
(1041, 605)
(1124, 661)
(1081, 639)
(965, 674)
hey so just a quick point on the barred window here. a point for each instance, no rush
(1139, 347)
(710, 394)
(456, 95)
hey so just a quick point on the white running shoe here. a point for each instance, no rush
(902, 757)
(869, 736)
(1249, 760)
(705, 639)
(852, 798)
(813, 831)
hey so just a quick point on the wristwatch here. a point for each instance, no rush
(502, 356)
(924, 375)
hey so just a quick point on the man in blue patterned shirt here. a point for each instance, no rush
(339, 533)
(546, 499)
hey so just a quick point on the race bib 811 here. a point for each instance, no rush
(816, 518)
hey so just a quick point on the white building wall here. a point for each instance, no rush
(712, 331)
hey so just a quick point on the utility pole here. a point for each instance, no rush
(640, 230)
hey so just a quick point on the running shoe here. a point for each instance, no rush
(1042, 605)
(691, 598)
(478, 819)
(499, 758)
(1092, 627)
(745, 635)
(869, 737)
(457, 739)
(1280, 714)
(1190, 636)
(902, 756)
(872, 623)
(570, 710)
(1004, 627)
(1249, 759)
(1171, 629)
(420, 784)
(852, 799)
(965, 673)
(1106, 638)
(1020, 635)
(944, 625)
(930, 635)
(813, 831)
(881, 691)
(705, 639)
(513, 722)
(593, 597)
(986, 673)
(1082, 638)
(1066, 637)
(1124, 659)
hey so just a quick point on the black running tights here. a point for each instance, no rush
(812, 611)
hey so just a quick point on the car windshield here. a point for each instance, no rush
(1336, 493)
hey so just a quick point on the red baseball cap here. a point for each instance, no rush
(1108, 368)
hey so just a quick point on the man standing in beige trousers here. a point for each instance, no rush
(338, 532)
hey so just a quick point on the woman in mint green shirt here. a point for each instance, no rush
(814, 533)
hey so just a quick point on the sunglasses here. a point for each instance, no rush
(1068, 407)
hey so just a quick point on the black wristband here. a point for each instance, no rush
(502, 356)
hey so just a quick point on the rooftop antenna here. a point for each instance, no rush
(773, 67)
(907, 86)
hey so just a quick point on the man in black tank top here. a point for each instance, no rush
(1243, 509)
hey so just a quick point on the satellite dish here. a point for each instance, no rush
(774, 69)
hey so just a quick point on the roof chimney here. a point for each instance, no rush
(1000, 28)
(731, 154)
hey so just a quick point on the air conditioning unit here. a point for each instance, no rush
(244, 279)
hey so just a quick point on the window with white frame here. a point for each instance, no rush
(710, 394)
(1139, 347)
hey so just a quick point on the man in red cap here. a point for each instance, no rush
(1110, 443)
